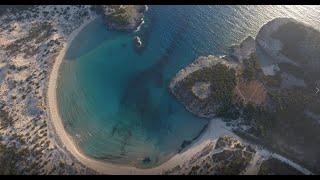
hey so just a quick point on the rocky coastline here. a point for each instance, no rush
(254, 109)
(123, 17)
(198, 106)
(30, 42)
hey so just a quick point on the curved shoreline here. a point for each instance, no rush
(66, 140)
(56, 120)
(216, 128)
(105, 167)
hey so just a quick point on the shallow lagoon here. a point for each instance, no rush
(114, 101)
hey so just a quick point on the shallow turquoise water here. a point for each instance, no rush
(115, 102)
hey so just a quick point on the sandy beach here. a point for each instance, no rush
(215, 129)
(66, 139)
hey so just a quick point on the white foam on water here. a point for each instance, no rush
(139, 27)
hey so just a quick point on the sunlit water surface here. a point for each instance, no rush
(115, 102)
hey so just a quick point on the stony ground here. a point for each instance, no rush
(30, 40)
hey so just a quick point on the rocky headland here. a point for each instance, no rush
(123, 17)
(257, 105)
(293, 47)
(264, 89)
(208, 71)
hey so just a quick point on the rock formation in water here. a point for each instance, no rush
(123, 17)
(138, 46)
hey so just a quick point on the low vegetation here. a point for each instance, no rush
(8, 159)
(119, 16)
(222, 80)
(274, 166)
(38, 33)
(252, 68)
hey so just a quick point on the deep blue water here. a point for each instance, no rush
(115, 102)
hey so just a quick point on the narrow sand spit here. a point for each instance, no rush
(215, 129)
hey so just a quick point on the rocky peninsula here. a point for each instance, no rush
(207, 72)
(33, 40)
(256, 104)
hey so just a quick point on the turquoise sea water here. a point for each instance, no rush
(115, 102)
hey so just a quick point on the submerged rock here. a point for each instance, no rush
(137, 44)
(146, 160)
(137, 41)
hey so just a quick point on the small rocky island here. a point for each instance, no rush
(128, 18)
(123, 17)
(265, 89)
(138, 46)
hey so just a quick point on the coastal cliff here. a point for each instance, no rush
(261, 104)
(288, 41)
(244, 49)
(293, 47)
(258, 104)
